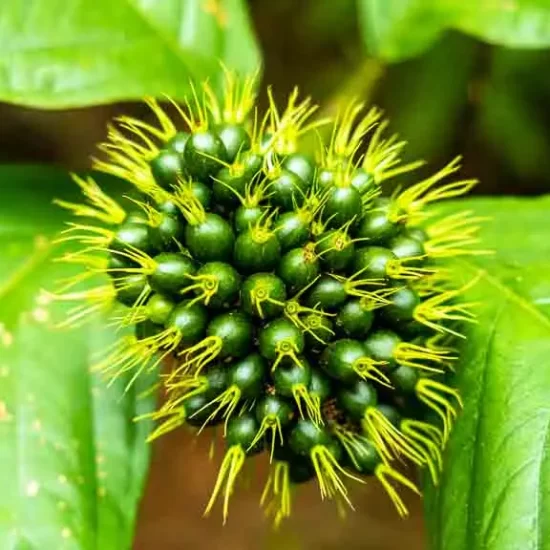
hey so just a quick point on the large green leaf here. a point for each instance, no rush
(397, 29)
(73, 462)
(56, 54)
(495, 491)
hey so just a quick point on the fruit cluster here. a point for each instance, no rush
(299, 307)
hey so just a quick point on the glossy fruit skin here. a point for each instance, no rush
(216, 377)
(118, 264)
(363, 181)
(172, 272)
(129, 288)
(377, 227)
(325, 180)
(343, 204)
(391, 413)
(339, 358)
(320, 332)
(236, 331)
(272, 287)
(171, 209)
(401, 309)
(327, 293)
(381, 345)
(133, 235)
(159, 308)
(145, 329)
(405, 379)
(320, 386)
(241, 431)
(305, 436)
(190, 321)
(246, 217)
(212, 240)
(354, 319)
(235, 139)
(227, 187)
(202, 155)
(372, 262)
(177, 143)
(288, 375)
(228, 283)
(301, 165)
(292, 230)
(357, 398)
(166, 167)
(202, 193)
(336, 250)
(276, 332)
(406, 247)
(252, 255)
(416, 233)
(252, 163)
(248, 375)
(298, 268)
(273, 406)
(365, 457)
(287, 191)
(197, 411)
(170, 233)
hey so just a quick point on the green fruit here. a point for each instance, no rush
(289, 375)
(263, 295)
(190, 321)
(305, 436)
(319, 331)
(159, 308)
(236, 332)
(241, 431)
(256, 250)
(280, 333)
(228, 187)
(292, 230)
(133, 235)
(235, 139)
(365, 457)
(372, 262)
(172, 272)
(166, 167)
(301, 165)
(248, 375)
(211, 240)
(327, 293)
(204, 155)
(325, 180)
(336, 250)
(287, 191)
(340, 359)
(355, 319)
(224, 279)
(274, 408)
(198, 409)
(320, 385)
(381, 346)
(177, 143)
(246, 217)
(376, 228)
(405, 379)
(170, 233)
(216, 380)
(357, 398)
(129, 288)
(298, 268)
(344, 204)
(404, 247)
(362, 181)
(202, 193)
(401, 309)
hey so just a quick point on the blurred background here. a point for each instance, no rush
(484, 94)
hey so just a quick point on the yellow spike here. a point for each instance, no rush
(269, 423)
(225, 404)
(312, 406)
(415, 356)
(227, 477)
(382, 473)
(276, 496)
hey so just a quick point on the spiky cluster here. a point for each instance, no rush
(300, 308)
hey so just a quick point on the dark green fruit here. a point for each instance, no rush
(289, 375)
(190, 321)
(236, 332)
(146, 329)
(343, 205)
(241, 431)
(248, 375)
(171, 209)
(335, 249)
(355, 319)
(211, 240)
(117, 265)
(298, 268)
(372, 262)
(381, 346)
(198, 409)
(403, 304)
(357, 398)
(292, 230)
(170, 233)
(362, 181)
(202, 193)
(172, 272)
(305, 436)
(319, 331)
(301, 165)
(417, 233)
(300, 470)
(365, 457)
(263, 295)
(252, 163)
(177, 143)
(129, 288)
(406, 247)
(280, 335)
(325, 180)
(287, 191)
(327, 293)
(224, 279)
(340, 359)
(246, 217)
(320, 385)
(228, 187)
(216, 378)
(159, 308)
(256, 250)
(404, 379)
(376, 227)
(274, 408)
(391, 414)
(166, 167)
(133, 235)
(203, 155)
(235, 139)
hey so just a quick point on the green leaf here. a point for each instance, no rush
(398, 29)
(101, 51)
(73, 461)
(495, 491)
